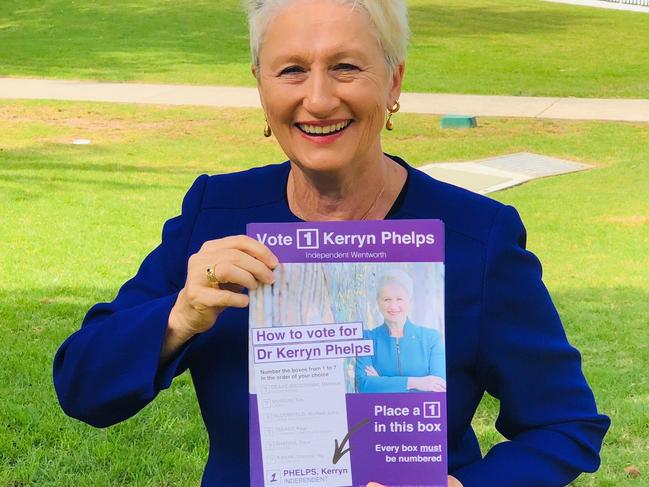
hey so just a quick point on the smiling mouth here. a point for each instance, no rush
(323, 131)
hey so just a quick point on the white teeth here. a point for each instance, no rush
(317, 130)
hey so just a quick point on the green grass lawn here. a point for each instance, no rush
(473, 46)
(78, 220)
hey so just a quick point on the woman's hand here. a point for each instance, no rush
(430, 383)
(238, 262)
(452, 482)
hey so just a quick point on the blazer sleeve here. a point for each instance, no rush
(368, 383)
(436, 356)
(547, 410)
(108, 370)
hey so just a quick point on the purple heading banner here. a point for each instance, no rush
(353, 241)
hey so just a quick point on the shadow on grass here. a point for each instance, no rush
(590, 314)
(53, 157)
(104, 184)
(608, 325)
(455, 20)
(40, 445)
(114, 40)
(31, 174)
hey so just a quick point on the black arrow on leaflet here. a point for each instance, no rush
(338, 451)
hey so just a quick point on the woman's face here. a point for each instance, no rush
(324, 84)
(394, 304)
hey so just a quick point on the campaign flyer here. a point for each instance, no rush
(346, 356)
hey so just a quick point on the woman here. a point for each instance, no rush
(406, 357)
(327, 72)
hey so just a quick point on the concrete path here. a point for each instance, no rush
(602, 4)
(497, 173)
(437, 104)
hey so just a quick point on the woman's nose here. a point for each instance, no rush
(320, 98)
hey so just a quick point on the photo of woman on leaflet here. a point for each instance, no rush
(407, 357)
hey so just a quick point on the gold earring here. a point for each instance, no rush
(395, 108)
(267, 131)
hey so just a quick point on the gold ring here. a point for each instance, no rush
(211, 277)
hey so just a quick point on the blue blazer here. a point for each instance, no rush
(419, 352)
(503, 336)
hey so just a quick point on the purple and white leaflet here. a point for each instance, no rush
(347, 372)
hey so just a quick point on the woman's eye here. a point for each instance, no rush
(291, 70)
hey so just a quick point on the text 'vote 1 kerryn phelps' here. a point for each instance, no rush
(347, 366)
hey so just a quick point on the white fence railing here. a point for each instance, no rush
(643, 3)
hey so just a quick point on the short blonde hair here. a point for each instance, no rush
(395, 276)
(390, 17)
